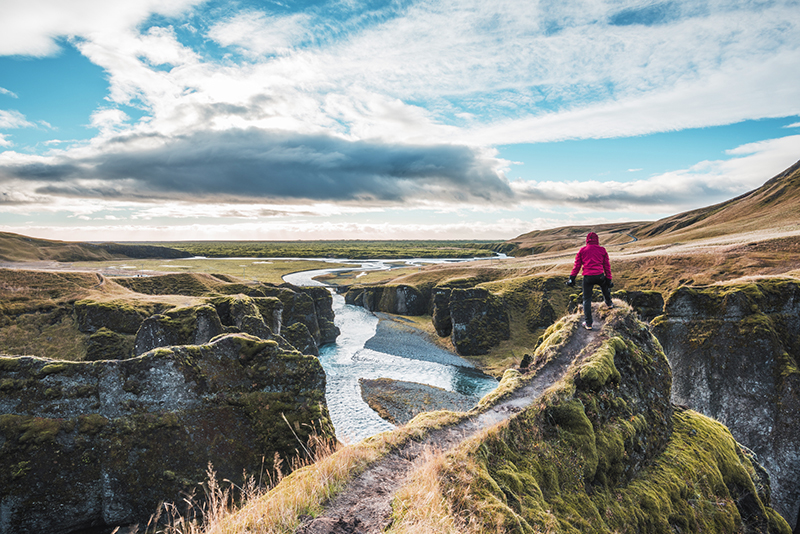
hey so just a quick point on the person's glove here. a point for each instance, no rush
(571, 281)
(610, 284)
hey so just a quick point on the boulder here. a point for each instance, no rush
(103, 443)
(734, 351)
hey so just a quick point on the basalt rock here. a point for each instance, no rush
(118, 316)
(479, 321)
(442, 321)
(647, 304)
(101, 444)
(398, 299)
(311, 306)
(194, 325)
(734, 351)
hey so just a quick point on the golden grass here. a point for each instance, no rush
(303, 492)
(419, 506)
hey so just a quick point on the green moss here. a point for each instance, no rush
(248, 346)
(8, 364)
(29, 430)
(20, 469)
(91, 423)
(599, 369)
(53, 368)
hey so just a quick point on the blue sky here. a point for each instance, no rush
(190, 119)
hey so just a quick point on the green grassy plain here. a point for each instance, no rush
(335, 249)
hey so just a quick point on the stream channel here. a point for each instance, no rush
(400, 356)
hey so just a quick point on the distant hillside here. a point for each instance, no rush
(17, 248)
(774, 205)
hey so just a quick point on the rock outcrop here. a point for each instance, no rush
(603, 451)
(94, 444)
(734, 351)
(479, 321)
(399, 299)
(184, 326)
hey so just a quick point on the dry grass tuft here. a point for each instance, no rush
(420, 506)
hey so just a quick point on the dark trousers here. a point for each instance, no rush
(588, 285)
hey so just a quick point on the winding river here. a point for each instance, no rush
(350, 358)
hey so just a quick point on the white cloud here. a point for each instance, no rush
(793, 125)
(14, 119)
(4, 91)
(701, 185)
(32, 27)
(258, 34)
(104, 119)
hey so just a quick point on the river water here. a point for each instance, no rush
(347, 360)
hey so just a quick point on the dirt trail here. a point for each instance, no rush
(364, 507)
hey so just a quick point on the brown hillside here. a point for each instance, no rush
(16, 248)
(773, 206)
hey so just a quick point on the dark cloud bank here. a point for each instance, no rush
(241, 165)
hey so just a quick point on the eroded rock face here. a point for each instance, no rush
(85, 444)
(734, 352)
(194, 325)
(479, 321)
(442, 322)
(118, 316)
(399, 299)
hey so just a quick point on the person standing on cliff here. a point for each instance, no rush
(596, 272)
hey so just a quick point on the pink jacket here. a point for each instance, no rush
(593, 258)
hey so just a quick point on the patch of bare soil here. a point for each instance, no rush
(364, 507)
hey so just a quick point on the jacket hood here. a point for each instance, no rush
(592, 239)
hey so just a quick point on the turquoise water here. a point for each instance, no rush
(347, 360)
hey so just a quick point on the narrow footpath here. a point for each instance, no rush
(364, 507)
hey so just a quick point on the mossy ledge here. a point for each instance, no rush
(734, 349)
(602, 451)
(114, 438)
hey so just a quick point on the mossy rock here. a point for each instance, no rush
(125, 435)
(298, 335)
(106, 344)
(604, 451)
(479, 320)
(735, 352)
(119, 316)
(194, 325)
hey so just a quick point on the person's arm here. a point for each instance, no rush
(576, 268)
(606, 265)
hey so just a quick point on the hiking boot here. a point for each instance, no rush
(587, 326)
(610, 305)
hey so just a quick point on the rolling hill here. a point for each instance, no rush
(775, 206)
(20, 248)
